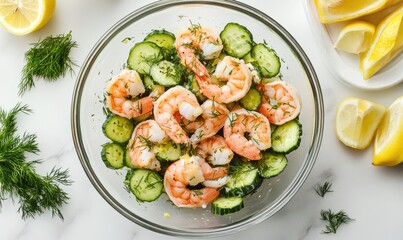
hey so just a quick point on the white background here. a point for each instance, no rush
(371, 195)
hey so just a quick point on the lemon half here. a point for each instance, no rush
(386, 45)
(355, 37)
(388, 144)
(357, 121)
(21, 17)
(331, 11)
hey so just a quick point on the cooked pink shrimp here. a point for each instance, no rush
(188, 171)
(280, 102)
(255, 126)
(176, 99)
(213, 119)
(215, 150)
(207, 124)
(198, 40)
(230, 82)
(140, 152)
(121, 93)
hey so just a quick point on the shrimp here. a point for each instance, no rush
(189, 171)
(196, 40)
(236, 76)
(176, 99)
(280, 102)
(247, 133)
(144, 135)
(213, 119)
(121, 93)
(215, 150)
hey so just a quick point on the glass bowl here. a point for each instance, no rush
(108, 57)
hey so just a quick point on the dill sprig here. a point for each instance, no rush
(18, 178)
(321, 190)
(47, 59)
(334, 220)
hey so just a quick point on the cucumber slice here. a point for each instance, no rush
(148, 83)
(166, 73)
(118, 129)
(252, 100)
(237, 40)
(143, 55)
(266, 59)
(193, 86)
(113, 155)
(271, 164)
(248, 58)
(287, 137)
(226, 205)
(145, 184)
(244, 179)
(168, 151)
(128, 161)
(142, 118)
(162, 38)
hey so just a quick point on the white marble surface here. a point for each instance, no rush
(371, 195)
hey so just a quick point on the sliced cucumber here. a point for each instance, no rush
(118, 129)
(248, 58)
(166, 73)
(162, 38)
(226, 205)
(113, 155)
(237, 40)
(145, 184)
(252, 100)
(128, 161)
(168, 151)
(142, 118)
(287, 137)
(271, 164)
(143, 55)
(195, 89)
(266, 59)
(244, 179)
(165, 40)
(148, 83)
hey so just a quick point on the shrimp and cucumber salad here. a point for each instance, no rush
(200, 116)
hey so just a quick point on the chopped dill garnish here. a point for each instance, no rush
(334, 220)
(321, 190)
(47, 59)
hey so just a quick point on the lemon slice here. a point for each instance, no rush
(21, 17)
(357, 120)
(386, 45)
(331, 11)
(388, 142)
(355, 37)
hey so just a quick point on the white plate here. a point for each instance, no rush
(345, 66)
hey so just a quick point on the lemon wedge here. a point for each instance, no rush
(386, 45)
(331, 11)
(355, 37)
(357, 120)
(21, 17)
(389, 137)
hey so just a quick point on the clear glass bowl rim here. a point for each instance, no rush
(282, 200)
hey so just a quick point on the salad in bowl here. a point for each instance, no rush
(190, 124)
(200, 116)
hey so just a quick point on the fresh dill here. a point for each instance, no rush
(321, 190)
(47, 59)
(232, 119)
(194, 28)
(18, 178)
(334, 220)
